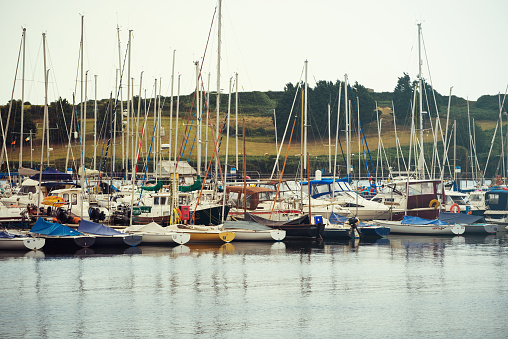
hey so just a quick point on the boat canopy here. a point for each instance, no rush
(156, 187)
(410, 220)
(86, 226)
(42, 226)
(458, 218)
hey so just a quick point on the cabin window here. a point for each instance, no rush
(66, 196)
(421, 188)
(74, 199)
(233, 198)
(475, 197)
(28, 189)
(494, 199)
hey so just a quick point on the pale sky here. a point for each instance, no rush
(265, 41)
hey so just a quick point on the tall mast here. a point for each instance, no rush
(227, 151)
(22, 103)
(420, 90)
(128, 106)
(305, 120)
(218, 87)
(198, 114)
(155, 126)
(236, 119)
(121, 107)
(329, 142)
(348, 156)
(84, 117)
(45, 115)
(95, 127)
(177, 113)
(137, 119)
(82, 96)
(171, 108)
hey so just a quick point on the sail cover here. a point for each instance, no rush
(152, 227)
(86, 226)
(410, 220)
(458, 218)
(42, 226)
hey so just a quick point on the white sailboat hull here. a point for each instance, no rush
(398, 227)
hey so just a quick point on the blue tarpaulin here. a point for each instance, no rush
(409, 220)
(95, 228)
(42, 226)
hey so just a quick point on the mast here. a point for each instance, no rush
(420, 88)
(22, 103)
(121, 107)
(236, 119)
(82, 130)
(227, 150)
(84, 118)
(329, 141)
(171, 108)
(128, 106)
(45, 115)
(218, 88)
(155, 126)
(455, 150)
(207, 124)
(276, 145)
(305, 120)
(348, 155)
(95, 128)
(198, 114)
(177, 113)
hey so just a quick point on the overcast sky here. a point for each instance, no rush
(265, 41)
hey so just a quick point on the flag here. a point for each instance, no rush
(13, 143)
(28, 138)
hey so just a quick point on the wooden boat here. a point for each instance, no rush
(14, 242)
(417, 225)
(155, 234)
(106, 236)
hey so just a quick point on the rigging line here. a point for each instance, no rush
(362, 132)
(283, 168)
(209, 167)
(4, 148)
(81, 148)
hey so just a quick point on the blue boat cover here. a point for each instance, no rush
(6, 235)
(52, 174)
(459, 218)
(95, 228)
(42, 226)
(409, 220)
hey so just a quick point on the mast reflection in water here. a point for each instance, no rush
(396, 287)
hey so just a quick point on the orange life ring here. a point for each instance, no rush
(470, 212)
(455, 205)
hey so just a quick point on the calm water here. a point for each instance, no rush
(399, 287)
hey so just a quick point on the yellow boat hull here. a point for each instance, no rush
(211, 236)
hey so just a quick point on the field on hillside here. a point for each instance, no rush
(257, 144)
